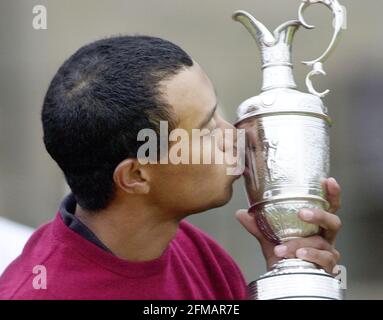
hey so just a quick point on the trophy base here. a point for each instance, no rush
(296, 279)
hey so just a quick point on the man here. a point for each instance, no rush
(121, 233)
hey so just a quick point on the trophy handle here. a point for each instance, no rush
(339, 14)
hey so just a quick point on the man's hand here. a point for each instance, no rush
(318, 249)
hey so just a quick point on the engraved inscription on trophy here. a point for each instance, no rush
(270, 155)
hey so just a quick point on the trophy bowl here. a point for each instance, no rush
(286, 161)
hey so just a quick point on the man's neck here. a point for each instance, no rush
(134, 233)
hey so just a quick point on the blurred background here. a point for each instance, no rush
(31, 185)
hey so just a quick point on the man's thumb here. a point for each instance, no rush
(248, 222)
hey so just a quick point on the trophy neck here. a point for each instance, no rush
(278, 77)
(276, 59)
(275, 48)
(277, 67)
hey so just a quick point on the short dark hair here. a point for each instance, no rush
(96, 104)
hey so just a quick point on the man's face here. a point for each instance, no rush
(191, 188)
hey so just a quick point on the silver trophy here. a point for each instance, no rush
(287, 155)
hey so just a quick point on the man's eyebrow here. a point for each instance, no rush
(209, 117)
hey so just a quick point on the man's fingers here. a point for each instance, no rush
(313, 249)
(323, 258)
(248, 221)
(333, 194)
(289, 248)
(329, 222)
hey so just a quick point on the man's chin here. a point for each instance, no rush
(220, 201)
(225, 197)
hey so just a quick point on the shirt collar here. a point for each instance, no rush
(67, 212)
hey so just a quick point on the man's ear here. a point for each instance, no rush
(131, 177)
